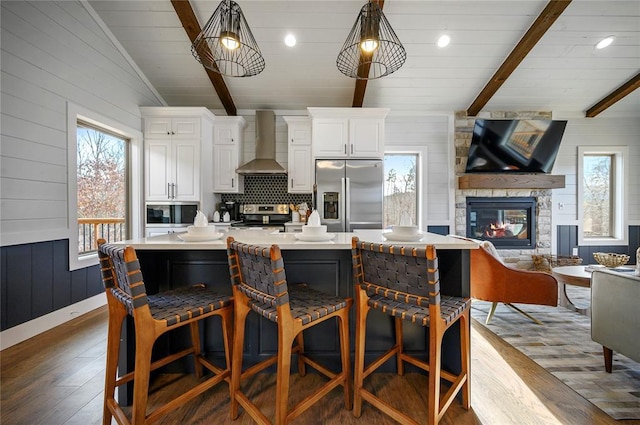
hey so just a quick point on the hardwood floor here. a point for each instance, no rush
(57, 378)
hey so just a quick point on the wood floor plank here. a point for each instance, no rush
(57, 378)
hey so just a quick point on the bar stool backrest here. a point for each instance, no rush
(121, 275)
(407, 274)
(259, 273)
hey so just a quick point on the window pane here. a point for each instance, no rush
(400, 194)
(102, 188)
(597, 201)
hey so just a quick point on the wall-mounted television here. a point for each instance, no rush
(518, 146)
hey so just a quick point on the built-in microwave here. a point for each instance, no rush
(171, 215)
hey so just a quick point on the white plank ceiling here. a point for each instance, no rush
(563, 72)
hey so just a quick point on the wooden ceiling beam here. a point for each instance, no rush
(192, 27)
(614, 96)
(361, 84)
(547, 17)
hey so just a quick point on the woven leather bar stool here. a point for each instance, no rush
(403, 282)
(154, 315)
(259, 284)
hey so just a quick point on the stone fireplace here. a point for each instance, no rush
(540, 241)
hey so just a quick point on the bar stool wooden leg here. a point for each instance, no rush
(117, 314)
(285, 340)
(195, 341)
(302, 368)
(144, 346)
(433, 403)
(241, 310)
(362, 309)
(343, 321)
(465, 360)
(399, 344)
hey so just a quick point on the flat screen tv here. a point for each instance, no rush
(518, 146)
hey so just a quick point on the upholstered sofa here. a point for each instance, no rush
(615, 314)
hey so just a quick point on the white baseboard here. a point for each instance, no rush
(19, 333)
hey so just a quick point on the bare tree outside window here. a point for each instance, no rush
(400, 192)
(102, 187)
(597, 200)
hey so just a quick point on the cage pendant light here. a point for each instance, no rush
(226, 44)
(372, 49)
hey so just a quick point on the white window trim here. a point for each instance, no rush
(74, 114)
(421, 181)
(620, 226)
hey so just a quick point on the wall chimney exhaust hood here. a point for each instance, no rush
(265, 160)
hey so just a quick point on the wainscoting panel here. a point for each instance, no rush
(568, 239)
(35, 280)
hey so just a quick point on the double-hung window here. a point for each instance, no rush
(602, 211)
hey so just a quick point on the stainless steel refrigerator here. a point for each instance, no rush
(349, 193)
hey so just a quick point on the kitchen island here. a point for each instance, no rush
(168, 262)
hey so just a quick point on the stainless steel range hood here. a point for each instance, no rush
(265, 160)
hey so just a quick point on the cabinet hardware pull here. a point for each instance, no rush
(232, 182)
(345, 148)
(352, 149)
(169, 190)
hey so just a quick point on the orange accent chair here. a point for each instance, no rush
(492, 280)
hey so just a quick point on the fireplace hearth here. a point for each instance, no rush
(508, 222)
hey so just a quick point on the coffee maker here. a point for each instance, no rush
(233, 208)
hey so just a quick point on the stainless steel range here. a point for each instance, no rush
(267, 216)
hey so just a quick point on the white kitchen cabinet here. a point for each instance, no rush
(172, 170)
(227, 148)
(300, 161)
(175, 140)
(172, 128)
(347, 132)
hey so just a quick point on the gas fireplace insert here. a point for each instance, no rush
(506, 222)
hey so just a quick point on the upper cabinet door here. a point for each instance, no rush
(228, 134)
(158, 166)
(176, 128)
(330, 137)
(347, 132)
(366, 138)
(186, 156)
(185, 128)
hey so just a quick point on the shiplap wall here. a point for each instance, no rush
(601, 130)
(432, 133)
(52, 53)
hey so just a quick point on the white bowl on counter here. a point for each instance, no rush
(405, 230)
(201, 230)
(314, 230)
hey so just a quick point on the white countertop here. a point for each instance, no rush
(290, 241)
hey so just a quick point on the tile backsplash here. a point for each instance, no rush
(267, 189)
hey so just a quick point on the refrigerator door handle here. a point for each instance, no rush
(347, 204)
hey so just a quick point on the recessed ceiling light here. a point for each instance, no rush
(605, 42)
(290, 40)
(444, 41)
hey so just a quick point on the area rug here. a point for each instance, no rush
(563, 346)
